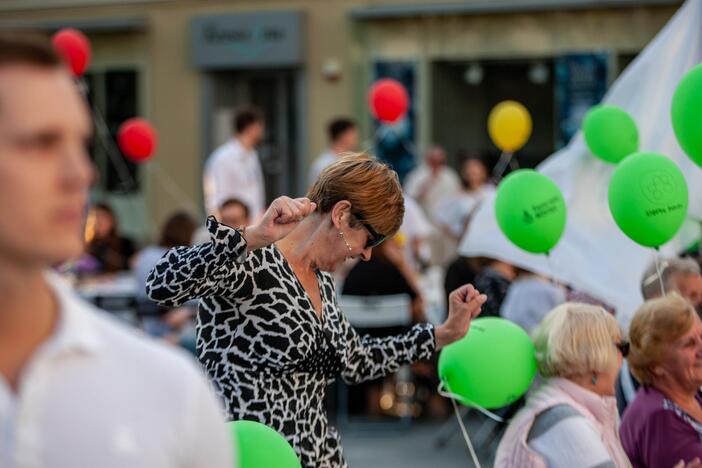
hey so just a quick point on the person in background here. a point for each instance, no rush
(232, 212)
(679, 275)
(161, 322)
(386, 273)
(571, 421)
(233, 170)
(455, 212)
(112, 251)
(433, 181)
(77, 388)
(430, 184)
(343, 138)
(461, 271)
(416, 229)
(663, 424)
(495, 278)
(529, 298)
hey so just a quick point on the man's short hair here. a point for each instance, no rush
(235, 201)
(245, 117)
(338, 127)
(670, 269)
(27, 48)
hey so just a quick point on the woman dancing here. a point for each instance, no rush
(270, 332)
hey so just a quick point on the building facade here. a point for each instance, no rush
(185, 64)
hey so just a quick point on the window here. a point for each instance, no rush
(113, 96)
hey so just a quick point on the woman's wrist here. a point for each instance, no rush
(253, 237)
(443, 336)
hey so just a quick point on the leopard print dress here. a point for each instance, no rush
(267, 352)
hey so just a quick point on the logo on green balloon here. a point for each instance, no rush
(657, 186)
(530, 210)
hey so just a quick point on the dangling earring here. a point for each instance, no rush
(341, 236)
(594, 379)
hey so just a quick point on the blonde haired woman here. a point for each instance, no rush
(572, 420)
(270, 332)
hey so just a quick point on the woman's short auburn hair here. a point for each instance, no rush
(576, 339)
(658, 323)
(372, 188)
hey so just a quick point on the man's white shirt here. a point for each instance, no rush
(233, 171)
(97, 394)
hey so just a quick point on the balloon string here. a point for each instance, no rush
(453, 396)
(108, 144)
(658, 271)
(172, 187)
(505, 159)
(114, 154)
(465, 434)
(466, 437)
(552, 269)
(105, 138)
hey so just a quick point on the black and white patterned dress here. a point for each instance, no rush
(266, 350)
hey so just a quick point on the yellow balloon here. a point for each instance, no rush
(509, 125)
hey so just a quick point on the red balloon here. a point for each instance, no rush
(137, 139)
(74, 47)
(388, 100)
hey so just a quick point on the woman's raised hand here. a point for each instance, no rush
(464, 305)
(281, 217)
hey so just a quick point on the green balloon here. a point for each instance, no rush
(258, 445)
(610, 133)
(648, 198)
(685, 113)
(492, 366)
(530, 210)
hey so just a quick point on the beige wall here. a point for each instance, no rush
(172, 91)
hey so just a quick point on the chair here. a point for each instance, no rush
(368, 312)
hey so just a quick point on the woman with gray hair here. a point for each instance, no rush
(572, 420)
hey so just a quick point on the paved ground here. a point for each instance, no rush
(416, 446)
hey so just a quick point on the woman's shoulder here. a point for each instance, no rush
(649, 407)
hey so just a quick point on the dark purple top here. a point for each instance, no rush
(656, 432)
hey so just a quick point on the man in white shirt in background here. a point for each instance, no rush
(77, 389)
(430, 184)
(343, 138)
(432, 181)
(233, 170)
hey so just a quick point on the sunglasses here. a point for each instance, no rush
(374, 238)
(623, 347)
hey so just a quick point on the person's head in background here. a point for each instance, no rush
(45, 171)
(177, 231)
(681, 275)
(105, 221)
(234, 213)
(474, 172)
(249, 126)
(435, 158)
(484, 264)
(343, 135)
